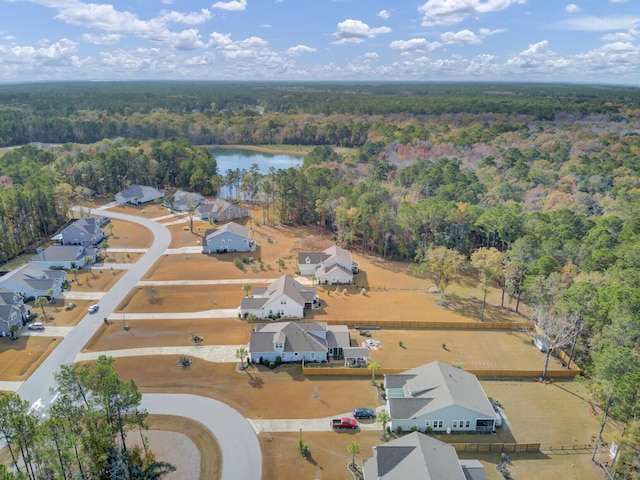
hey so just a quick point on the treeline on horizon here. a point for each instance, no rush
(258, 113)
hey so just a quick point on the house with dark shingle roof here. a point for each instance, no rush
(297, 341)
(230, 237)
(331, 266)
(137, 194)
(65, 256)
(12, 310)
(419, 457)
(284, 298)
(439, 397)
(84, 231)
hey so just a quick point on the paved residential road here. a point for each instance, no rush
(242, 458)
(240, 447)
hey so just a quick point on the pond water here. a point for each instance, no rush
(229, 158)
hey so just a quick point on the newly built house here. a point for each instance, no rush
(438, 397)
(137, 194)
(230, 237)
(331, 266)
(85, 231)
(32, 280)
(419, 457)
(297, 341)
(284, 298)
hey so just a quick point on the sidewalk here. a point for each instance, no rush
(216, 313)
(210, 353)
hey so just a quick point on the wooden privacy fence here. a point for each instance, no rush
(422, 324)
(496, 447)
(317, 369)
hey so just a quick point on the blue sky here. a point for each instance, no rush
(591, 41)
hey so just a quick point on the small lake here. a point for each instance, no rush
(230, 158)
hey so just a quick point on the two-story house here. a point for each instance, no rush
(331, 266)
(230, 237)
(284, 298)
(12, 311)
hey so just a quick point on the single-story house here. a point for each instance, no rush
(220, 210)
(297, 341)
(284, 298)
(12, 310)
(438, 397)
(181, 201)
(331, 266)
(32, 280)
(137, 194)
(419, 457)
(230, 237)
(65, 256)
(87, 231)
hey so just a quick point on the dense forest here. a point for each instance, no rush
(536, 188)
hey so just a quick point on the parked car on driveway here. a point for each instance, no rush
(344, 422)
(36, 326)
(364, 413)
(94, 308)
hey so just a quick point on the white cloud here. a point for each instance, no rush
(618, 57)
(463, 37)
(417, 44)
(538, 57)
(590, 23)
(629, 36)
(384, 14)
(232, 6)
(298, 49)
(572, 8)
(192, 18)
(102, 39)
(371, 56)
(619, 1)
(449, 12)
(355, 31)
(186, 40)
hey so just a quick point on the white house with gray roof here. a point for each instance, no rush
(297, 341)
(230, 237)
(137, 194)
(419, 457)
(12, 310)
(181, 201)
(65, 256)
(220, 210)
(284, 298)
(86, 231)
(440, 397)
(32, 280)
(331, 266)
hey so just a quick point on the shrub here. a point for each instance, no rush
(414, 429)
(278, 360)
(428, 430)
(399, 430)
(272, 365)
(265, 363)
(238, 263)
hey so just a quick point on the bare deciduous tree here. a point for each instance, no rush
(559, 328)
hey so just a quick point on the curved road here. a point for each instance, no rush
(238, 440)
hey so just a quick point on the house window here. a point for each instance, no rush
(467, 424)
(455, 424)
(438, 424)
(283, 301)
(313, 355)
(427, 424)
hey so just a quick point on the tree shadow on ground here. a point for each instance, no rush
(472, 308)
(255, 382)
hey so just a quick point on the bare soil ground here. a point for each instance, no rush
(20, 358)
(149, 333)
(100, 279)
(181, 298)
